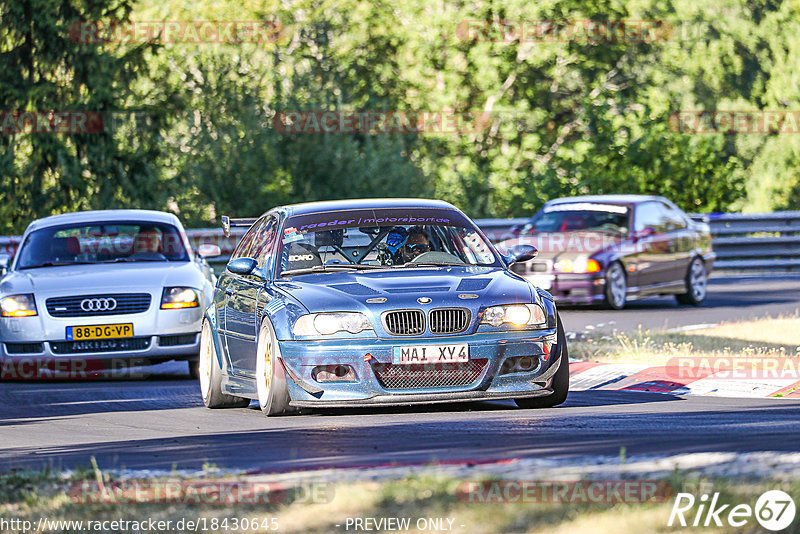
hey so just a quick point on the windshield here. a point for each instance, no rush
(381, 238)
(577, 217)
(104, 242)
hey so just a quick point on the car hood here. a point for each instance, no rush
(86, 279)
(557, 245)
(470, 287)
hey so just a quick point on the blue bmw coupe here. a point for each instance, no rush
(374, 303)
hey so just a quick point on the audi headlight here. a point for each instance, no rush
(315, 324)
(176, 298)
(18, 306)
(515, 314)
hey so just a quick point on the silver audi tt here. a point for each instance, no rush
(120, 286)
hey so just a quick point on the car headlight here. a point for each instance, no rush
(580, 266)
(177, 298)
(515, 314)
(325, 324)
(18, 306)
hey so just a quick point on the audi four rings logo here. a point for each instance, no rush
(108, 304)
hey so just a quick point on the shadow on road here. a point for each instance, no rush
(575, 398)
(587, 426)
(29, 402)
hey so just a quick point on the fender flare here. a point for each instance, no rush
(211, 316)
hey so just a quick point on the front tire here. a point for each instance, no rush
(211, 375)
(616, 286)
(696, 284)
(560, 379)
(273, 394)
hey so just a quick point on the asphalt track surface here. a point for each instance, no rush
(159, 423)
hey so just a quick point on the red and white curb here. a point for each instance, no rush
(670, 379)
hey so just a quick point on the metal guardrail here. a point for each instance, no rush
(764, 241)
(746, 242)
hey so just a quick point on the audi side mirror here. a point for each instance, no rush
(5, 261)
(242, 266)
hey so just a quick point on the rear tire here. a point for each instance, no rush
(560, 379)
(211, 375)
(273, 394)
(616, 286)
(696, 284)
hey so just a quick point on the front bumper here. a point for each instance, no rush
(152, 348)
(301, 357)
(570, 288)
(49, 365)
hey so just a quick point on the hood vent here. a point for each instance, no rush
(354, 289)
(473, 284)
(418, 289)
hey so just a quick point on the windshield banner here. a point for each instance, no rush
(336, 220)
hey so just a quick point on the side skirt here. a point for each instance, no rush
(240, 387)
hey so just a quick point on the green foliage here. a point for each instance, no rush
(565, 118)
(233, 161)
(42, 69)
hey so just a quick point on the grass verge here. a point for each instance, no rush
(421, 499)
(758, 338)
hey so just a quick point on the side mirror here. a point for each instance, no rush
(243, 266)
(207, 250)
(5, 261)
(521, 253)
(646, 232)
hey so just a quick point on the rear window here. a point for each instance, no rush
(104, 242)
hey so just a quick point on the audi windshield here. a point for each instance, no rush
(107, 242)
(382, 238)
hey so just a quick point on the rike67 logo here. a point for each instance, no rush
(774, 511)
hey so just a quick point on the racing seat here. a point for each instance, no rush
(301, 256)
(74, 245)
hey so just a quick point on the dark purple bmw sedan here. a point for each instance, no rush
(609, 249)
